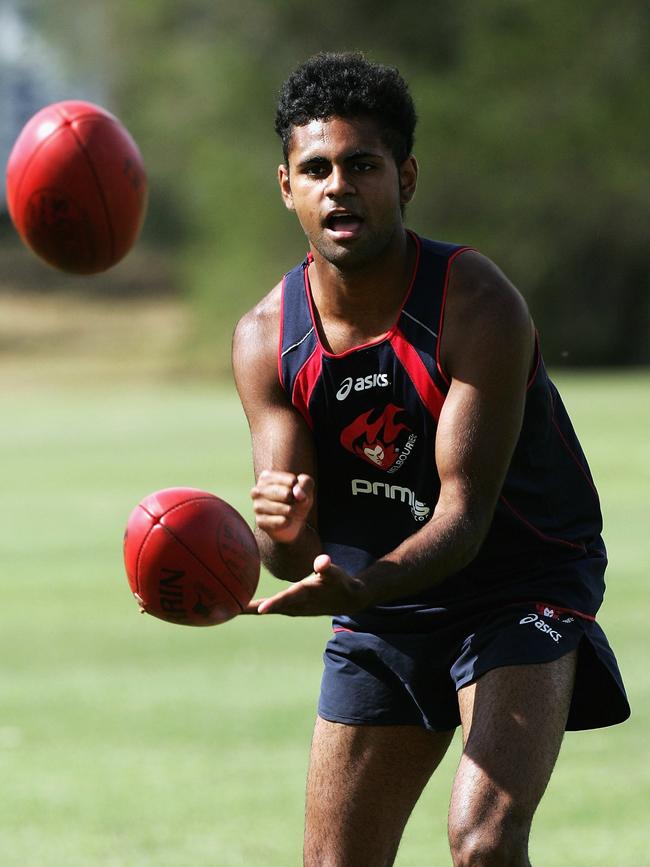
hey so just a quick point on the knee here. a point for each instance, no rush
(497, 838)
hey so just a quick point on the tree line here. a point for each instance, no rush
(531, 143)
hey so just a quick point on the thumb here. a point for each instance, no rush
(303, 490)
(322, 563)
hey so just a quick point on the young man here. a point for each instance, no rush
(419, 479)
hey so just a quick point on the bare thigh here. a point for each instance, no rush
(513, 723)
(362, 785)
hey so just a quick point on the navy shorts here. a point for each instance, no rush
(412, 678)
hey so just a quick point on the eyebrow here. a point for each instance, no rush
(353, 155)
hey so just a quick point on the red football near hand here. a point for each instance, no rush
(76, 187)
(190, 557)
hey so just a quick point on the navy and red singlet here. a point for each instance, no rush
(373, 413)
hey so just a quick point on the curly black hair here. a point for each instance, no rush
(347, 85)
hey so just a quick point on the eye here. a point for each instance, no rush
(363, 166)
(315, 170)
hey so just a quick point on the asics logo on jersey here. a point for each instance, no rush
(362, 383)
(542, 625)
(382, 442)
(419, 510)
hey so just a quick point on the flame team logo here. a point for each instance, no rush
(382, 441)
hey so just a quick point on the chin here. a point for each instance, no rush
(358, 254)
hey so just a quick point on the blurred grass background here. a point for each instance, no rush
(125, 742)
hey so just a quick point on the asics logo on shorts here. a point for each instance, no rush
(542, 625)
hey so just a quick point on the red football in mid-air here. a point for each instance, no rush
(76, 187)
(190, 557)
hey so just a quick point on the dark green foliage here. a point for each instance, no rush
(531, 142)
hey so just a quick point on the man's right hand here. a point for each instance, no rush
(282, 502)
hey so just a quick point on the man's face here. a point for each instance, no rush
(346, 190)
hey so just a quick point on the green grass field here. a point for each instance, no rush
(127, 742)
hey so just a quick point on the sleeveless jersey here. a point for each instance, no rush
(373, 411)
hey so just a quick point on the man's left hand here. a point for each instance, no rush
(328, 590)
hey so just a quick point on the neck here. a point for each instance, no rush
(374, 291)
(355, 307)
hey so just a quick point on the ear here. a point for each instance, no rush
(285, 186)
(408, 179)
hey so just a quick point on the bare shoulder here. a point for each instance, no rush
(485, 314)
(477, 283)
(281, 439)
(255, 350)
(257, 332)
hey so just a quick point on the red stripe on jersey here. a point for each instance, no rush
(556, 611)
(429, 393)
(305, 383)
(554, 539)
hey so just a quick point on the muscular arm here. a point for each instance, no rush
(487, 350)
(283, 453)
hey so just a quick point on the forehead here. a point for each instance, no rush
(336, 137)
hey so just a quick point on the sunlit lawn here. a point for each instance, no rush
(127, 742)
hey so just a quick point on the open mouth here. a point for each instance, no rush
(344, 223)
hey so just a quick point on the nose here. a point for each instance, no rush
(338, 183)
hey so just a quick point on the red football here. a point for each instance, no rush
(190, 557)
(76, 187)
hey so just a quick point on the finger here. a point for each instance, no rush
(265, 606)
(271, 507)
(273, 523)
(283, 606)
(252, 607)
(276, 477)
(286, 601)
(274, 492)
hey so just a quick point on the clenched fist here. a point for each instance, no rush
(282, 502)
